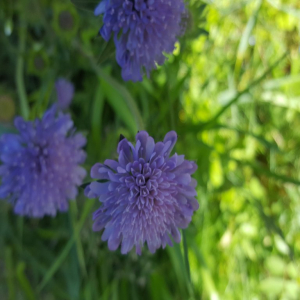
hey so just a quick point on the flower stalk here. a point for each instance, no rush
(20, 69)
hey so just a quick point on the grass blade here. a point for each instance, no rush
(57, 263)
(186, 255)
(9, 274)
(119, 106)
(117, 87)
(79, 247)
(214, 119)
(19, 76)
(24, 283)
(259, 138)
(256, 167)
(244, 42)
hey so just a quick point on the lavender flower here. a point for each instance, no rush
(142, 30)
(40, 166)
(146, 195)
(65, 92)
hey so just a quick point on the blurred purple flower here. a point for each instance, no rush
(40, 166)
(65, 92)
(146, 195)
(142, 30)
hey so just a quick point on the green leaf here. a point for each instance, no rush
(9, 274)
(107, 52)
(119, 105)
(178, 267)
(244, 42)
(64, 253)
(24, 282)
(259, 138)
(96, 120)
(79, 247)
(120, 91)
(186, 255)
(271, 225)
(259, 169)
(281, 82)
(159, 289)
(254, 83)
(208, 281)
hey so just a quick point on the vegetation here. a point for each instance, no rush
(231, 90)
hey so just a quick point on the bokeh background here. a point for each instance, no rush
(231, 90)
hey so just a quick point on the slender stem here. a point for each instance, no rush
(119, 87)
(171, 114)
(9, 267)
(186, 256)
(20, 69)
(124, 92)
(65, 252)
(20, 224)
(239, 94)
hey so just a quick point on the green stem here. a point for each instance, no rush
(239, 94)
(20, 69)
(171, 114)
(186, 256)
(116, 85)
(10, 274)
(65, 252)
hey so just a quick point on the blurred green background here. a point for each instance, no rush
(232, 92)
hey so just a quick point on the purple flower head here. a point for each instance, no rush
(146, 195)
(65, 92)
(40, 168)
(142, 30)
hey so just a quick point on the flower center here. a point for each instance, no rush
(144, 191)
(141, 188)
(140, 180)
(143, 183)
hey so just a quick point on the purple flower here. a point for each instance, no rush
(40, 166)
(146, 195)
(65, 92)
(143, 30)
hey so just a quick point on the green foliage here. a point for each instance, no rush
(231, 90)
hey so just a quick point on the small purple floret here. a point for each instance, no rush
(143, 30)
(40, 168)
(65, 92)
(146, 195)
